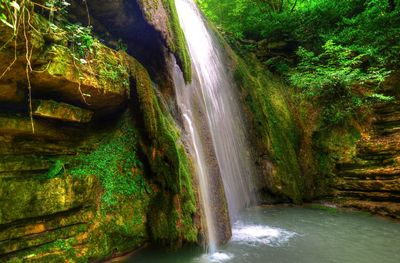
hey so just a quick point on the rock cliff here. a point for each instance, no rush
(91, 162)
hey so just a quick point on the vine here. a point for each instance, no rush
(13, 15)
(17, 16)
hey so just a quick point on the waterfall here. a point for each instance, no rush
(214, 121)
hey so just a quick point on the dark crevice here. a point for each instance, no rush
(123, 20)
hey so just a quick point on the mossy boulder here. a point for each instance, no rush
(100, 84)
(84, 207)
(95, 80)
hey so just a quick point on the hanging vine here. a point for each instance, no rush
(17, 15)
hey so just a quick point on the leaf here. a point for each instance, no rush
(15, 5)
(6, 23)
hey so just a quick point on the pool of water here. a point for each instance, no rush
(294, 234)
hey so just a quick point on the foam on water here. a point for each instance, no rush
(255, 235)
(220, 257)
(217, 257)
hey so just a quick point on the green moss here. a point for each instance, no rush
(178, 46)
(110, 67)
(106, 69)
(116, 164)
(121, 230)
(55, 169)
(175, 37)
(274, 126)
(57, 250)
(171, 215)
(331, 146)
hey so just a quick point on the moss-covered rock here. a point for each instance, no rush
(73, 192)
(92, 77)
(100, 83)
(60, 111)
(274, 131)
(22, 126)
(163, 16)
(171, 220)
(42, 197)
(90, 206)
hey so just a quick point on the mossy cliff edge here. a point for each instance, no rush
(92, 164)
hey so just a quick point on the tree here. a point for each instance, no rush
(279, 6)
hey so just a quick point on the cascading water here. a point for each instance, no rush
(210, 103)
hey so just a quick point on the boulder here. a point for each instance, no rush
(100, 83)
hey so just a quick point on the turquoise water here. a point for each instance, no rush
(294, 234)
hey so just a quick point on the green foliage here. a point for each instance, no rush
(239, 18)
(8, 13)
(121, 45)
(332, 79)
(116, 165)
(81, 40)
(374, 31)
(343, 47)
(57, 5)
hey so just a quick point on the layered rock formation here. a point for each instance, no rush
(91, 162)
(370, 179)
(357, 164)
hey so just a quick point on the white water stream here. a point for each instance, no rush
(212, 95)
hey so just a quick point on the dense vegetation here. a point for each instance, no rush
(335, 53)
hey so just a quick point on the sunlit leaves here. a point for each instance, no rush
(8, 12)
(332, 79)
